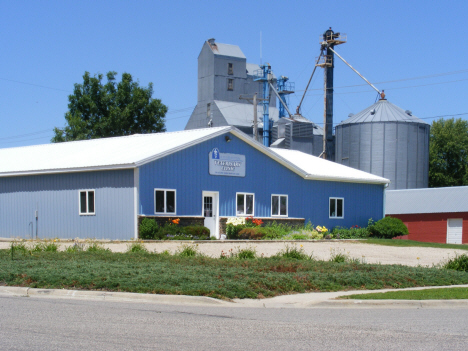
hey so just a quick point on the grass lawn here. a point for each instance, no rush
(407, 243)
(428, 294)
(202, 276)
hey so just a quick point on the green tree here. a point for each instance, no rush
(97, 110)
(448, 153)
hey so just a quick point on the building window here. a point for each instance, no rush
(336, 207)
(208, 110)
(230, 69)
(164, 201)
(245, 204)
(230, 84)
(87, 202)
(279, 205)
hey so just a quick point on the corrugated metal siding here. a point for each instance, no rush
(429, 200)
(398, 151)
(56, 198)
(187, 171)
(287, 136)
(402, 158)
(377, 148)
(355, 134)
(390, 138)
(345, 151)
(365, 149)
(318, 145)
(412, 155)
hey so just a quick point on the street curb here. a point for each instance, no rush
(111, 296)
(285, 301)
(390, 304)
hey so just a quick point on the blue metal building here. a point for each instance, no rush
(99, 188)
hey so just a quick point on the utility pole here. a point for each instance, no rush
(255, 126)
(253, 100)
(325, 125)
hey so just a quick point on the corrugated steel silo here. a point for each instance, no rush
(386, 141)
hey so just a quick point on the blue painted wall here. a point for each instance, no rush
(55, 196)
(187, 171)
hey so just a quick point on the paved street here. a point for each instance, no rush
(30, 323)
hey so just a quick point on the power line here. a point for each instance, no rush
(35, 85)
(401, 80)
(396, 88)
(26, 135)
(21, 141)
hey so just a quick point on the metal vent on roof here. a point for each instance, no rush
(372, 112)
(409, 113)
(351, 114)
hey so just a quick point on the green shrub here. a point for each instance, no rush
(188, 251)
(246, 254)
(293, 252)
(459, 263)
(388, 228)
(255, 233)
(169, 232)
(51, 247)
(137, 247)
(338, 256)
(76, 247)
(232, 230)
(197, 231)
(38, 247)
(19, 247)
(148, 229)
(276, 231)
(354, 232)
(96, 247)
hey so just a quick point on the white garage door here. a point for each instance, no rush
(454, 230)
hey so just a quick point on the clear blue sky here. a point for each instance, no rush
(46, 46)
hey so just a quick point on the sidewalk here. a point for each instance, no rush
(308, 300)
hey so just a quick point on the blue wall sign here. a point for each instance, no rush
(232, 165)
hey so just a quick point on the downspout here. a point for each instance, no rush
(385, 198)
(136, 199)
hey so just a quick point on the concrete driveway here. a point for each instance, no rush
(321, 250)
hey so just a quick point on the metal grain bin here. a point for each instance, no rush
(386, 141)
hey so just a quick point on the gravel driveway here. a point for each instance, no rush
(322, 250)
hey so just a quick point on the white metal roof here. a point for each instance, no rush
(105, 153)
(428, 200)
(319, 169)
(136, 150)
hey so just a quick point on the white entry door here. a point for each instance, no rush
(454, 230)
(210, 212)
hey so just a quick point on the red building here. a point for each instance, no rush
(438, 215)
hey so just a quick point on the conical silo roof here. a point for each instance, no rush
(383, 111)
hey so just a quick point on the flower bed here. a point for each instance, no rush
(150, 229)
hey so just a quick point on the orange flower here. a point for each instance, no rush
(257, 222)
(176, 221)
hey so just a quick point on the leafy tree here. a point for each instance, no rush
(97, 110)
(448, 153)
